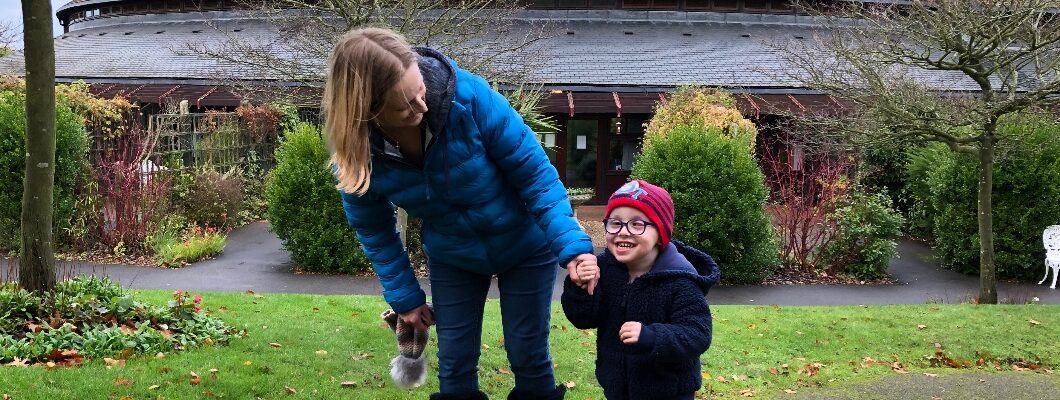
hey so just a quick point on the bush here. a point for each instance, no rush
(175, 248)
(209, 198)
(305, 209)
(865, 238)
(71, 155)
(700, 107)
(93, 317)
(719, 193)
(917, 174)
(1026, 184)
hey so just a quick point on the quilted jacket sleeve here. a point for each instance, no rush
(372, 217)
(515, 149)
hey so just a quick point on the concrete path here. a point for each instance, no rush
(253, 259)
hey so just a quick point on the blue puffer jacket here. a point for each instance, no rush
(669, 301)
(487, 194)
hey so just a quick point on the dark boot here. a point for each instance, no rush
(555, 394)
(476, 395)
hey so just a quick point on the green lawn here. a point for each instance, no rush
(326, 340)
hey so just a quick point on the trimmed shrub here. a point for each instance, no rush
(719, 193)
(700, 107)
(71, 156)
(1026, 184)
(867, 228)
(305, 209)
(917, 174)
(210, 198)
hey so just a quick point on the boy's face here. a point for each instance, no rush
(626, 246)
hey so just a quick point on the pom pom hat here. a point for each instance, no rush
(653, 201)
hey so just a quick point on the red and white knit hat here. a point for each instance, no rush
(653, 201)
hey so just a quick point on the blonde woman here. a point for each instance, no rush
(409, 128)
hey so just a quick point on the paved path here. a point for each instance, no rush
(254, 260)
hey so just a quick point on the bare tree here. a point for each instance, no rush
(937, 71)
(481, 35)
(7, 37)
(37, 264)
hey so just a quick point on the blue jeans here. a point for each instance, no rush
(459, 297)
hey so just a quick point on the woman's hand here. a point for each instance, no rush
(584, 262)
(420, 317)
(629, 333)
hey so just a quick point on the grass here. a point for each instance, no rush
(325, 340)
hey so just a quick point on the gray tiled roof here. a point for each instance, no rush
(603, 48)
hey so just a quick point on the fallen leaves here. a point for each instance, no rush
(811, 369)
(921, 327)
(1033, 322)
(290, 390)
(153, 387)
(897, 367)
(931, 375)
(276, 345)
(195, 379)
(747, 393)
(18, 362)
(774, 371)
(348, 384)
(7, 396)
(570, 385)
(113, 363)
(321, 352)
(504, 371)
(122, 382)
(790, 391)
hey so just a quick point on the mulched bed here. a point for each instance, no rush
(792, 276)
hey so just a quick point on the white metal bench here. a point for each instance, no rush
(1051, 240)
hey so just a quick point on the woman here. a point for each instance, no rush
(408, 127)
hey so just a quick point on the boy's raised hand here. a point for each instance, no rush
(629, 333)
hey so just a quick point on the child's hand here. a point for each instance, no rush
(588, 270)
(629, 333)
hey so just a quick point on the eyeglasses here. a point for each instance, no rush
(635, 227)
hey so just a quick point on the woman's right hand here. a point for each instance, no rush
(420, 317)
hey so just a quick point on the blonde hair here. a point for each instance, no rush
(364, 65)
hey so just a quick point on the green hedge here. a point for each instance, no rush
(304, 208)
(866, 236)
(71, 165)
(718, 192)
(1025, 192)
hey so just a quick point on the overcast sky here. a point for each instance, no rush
(11, 14)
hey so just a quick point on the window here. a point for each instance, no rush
(626, 135)
(726, 5)
(540, 3)
(697, 4)
(602, 3)
(756, 5)
(636, 3)
(571, 3)
(665, 4)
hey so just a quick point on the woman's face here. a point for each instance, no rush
(405, 103)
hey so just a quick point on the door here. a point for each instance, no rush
(581, 153)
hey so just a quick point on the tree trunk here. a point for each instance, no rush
(37, 266)
(987, 275)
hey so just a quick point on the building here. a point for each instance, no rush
(608, 64)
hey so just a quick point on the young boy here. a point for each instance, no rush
(649, 307)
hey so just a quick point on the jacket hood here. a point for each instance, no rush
(440, 79)
(679, 260)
